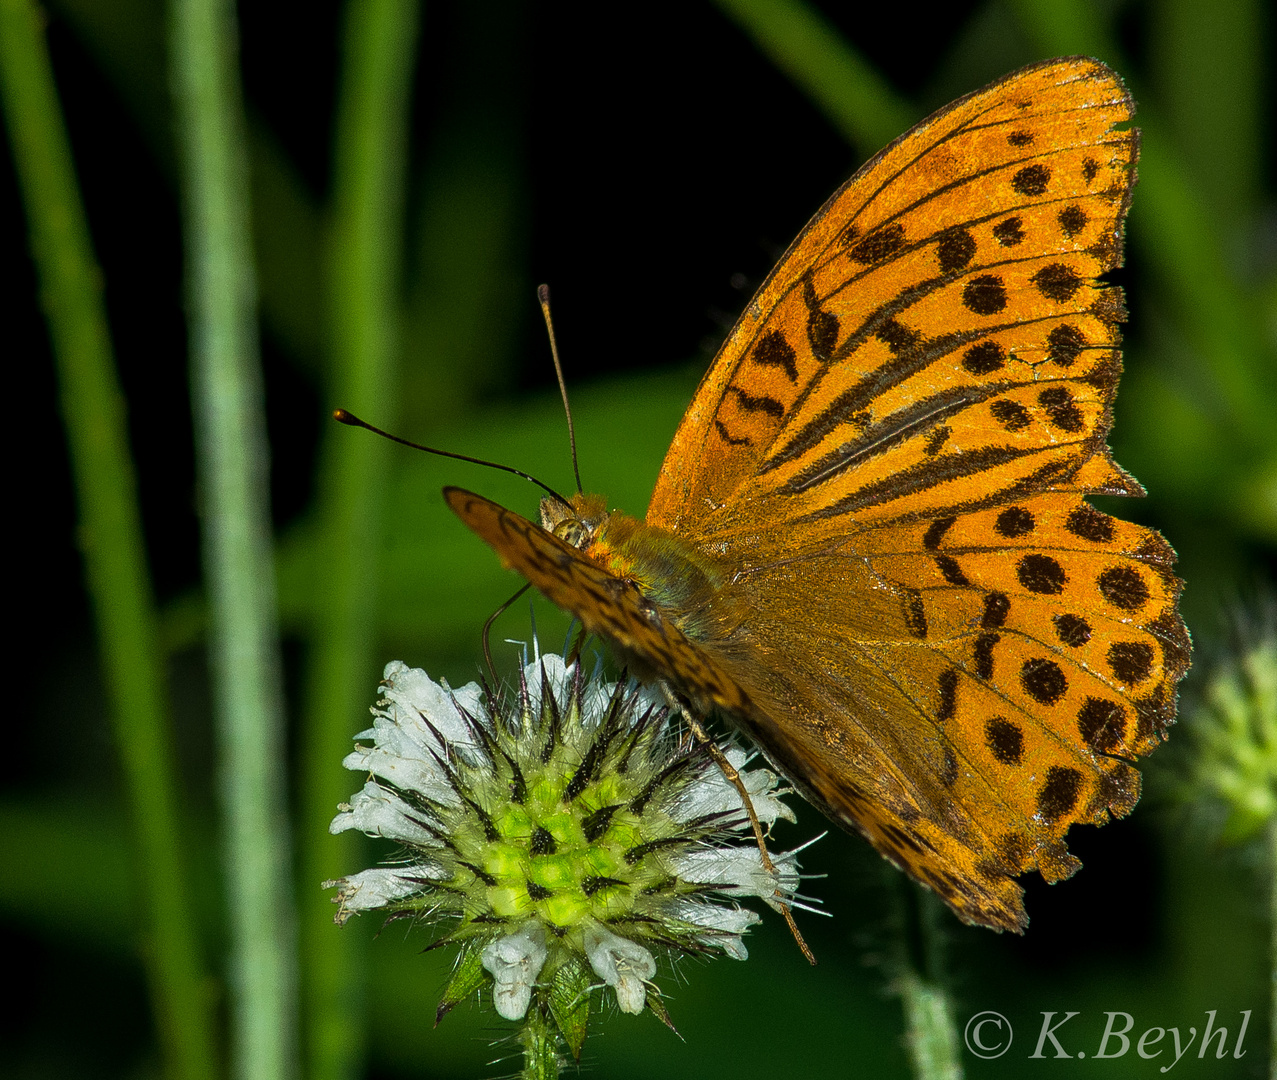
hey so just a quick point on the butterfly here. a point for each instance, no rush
(869, 546)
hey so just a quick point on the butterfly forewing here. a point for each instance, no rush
(936, 334)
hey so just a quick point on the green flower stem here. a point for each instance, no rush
(540, 1046)
(111, 532)
(232, 458)
(858, 101)
(930, 1036)
(370, 164)
(1272, 885)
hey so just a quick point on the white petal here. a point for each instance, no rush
(739, 870)
(401, 762)
(713, 793)
(515, 962)
(378, 811)
(721, 925)
(718, 917)
(413, 698)
(623, 964)
(375, 888)
(416, 725)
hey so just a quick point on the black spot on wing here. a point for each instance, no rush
(984, 646)
(1060, 792)
(996, 607)
(1061, 410)
(1043, 680)
(1072, 630)
(773, 350)
(1124, 587)
(936, 440)
(1130, 661)
(984, 357)
(1087, 523)
(1072, 220)
(1057, 282)
(1041, 574)
(1064, 344)
(1010, 414)
(1010, 232)
(879, 245)
(947, 685)
(822, 334)
(1005, 740)
(950, 570)
(915, 613)
(1014, 521)
(984, 295)
(956, 248)
(935, 532)
(897, 337)
(1102, 724)
(1031, 180)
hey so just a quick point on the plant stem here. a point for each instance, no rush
(540, 1045)
(119, 586)
(1272, 957)
(370, 161)
(930, 1036)
(232, 459)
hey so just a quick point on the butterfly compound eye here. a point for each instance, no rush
(575, 522)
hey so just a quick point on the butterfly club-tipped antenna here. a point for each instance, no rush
(343, 416)
(543, 296)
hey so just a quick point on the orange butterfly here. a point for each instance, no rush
(869, 547)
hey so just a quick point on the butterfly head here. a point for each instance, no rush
(576, 522)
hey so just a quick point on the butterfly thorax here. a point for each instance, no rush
(679, 578)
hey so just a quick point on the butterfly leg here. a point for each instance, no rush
(733, 777)
(487, 629)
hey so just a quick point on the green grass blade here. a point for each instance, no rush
(110, 523)
(232, 462)
(843, 84)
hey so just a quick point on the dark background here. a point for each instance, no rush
(649, 163)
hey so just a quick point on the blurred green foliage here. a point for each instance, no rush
(636, 161)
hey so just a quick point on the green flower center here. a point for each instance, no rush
(554, 847)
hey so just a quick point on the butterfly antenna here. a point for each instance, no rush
(344, 417)
(543, 295)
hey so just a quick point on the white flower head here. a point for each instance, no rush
(565, 833)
